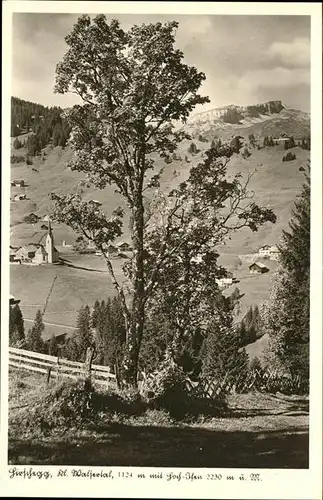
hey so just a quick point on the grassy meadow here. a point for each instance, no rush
(256, 431)
(83, 279)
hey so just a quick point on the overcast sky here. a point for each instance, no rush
(246, 59)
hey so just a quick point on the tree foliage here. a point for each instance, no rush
(133, 85)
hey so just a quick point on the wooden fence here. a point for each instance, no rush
(59, 367)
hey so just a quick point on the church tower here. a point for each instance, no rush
(50, 248)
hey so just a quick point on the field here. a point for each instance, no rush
(83, 279)
(63, 288)
(258, 430)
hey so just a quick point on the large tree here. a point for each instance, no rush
(133, 86)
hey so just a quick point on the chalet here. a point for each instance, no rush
(122, 246)
(13, 255)
(269, 252)
(44, 227)
(26, 253)
(18, 183)
(13, 301)
(225, 281)
(96, 202)
(19, 197)
(258, 268)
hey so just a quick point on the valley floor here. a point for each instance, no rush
(260, 431)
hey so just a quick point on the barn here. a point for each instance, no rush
(258, 268)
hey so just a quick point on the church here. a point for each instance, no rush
(36, 253)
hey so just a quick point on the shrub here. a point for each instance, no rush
(17, 159)
(289, 157)
(246, 153)
(166, 388)
(192, 148)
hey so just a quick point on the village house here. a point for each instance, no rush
(122, 246)
(13, 255)
(19, 197)
(20, 183)
(13, 301)
(225, 281)
(269, 252)
(258, 268)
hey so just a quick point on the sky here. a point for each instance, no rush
(246, 59)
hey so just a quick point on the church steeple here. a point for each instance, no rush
(50, 248)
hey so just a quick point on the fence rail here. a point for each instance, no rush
(59, 367)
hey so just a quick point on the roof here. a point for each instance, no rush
(264, 246)
(122, 243)
(41, 250)
(30, 246)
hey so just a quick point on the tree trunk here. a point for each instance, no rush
(137, 312)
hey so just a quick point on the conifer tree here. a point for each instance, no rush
(34, 336)
(53, 346)
(222, 355)
(84, 331)
(288, 320)
(16, 325)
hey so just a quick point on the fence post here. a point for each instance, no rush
(49, 370)
(87, 366)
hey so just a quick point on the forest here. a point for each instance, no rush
(43, 125)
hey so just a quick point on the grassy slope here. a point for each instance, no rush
(259, 431)
(275, 184)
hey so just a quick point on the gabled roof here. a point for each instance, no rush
(258, 264)
(41, 250)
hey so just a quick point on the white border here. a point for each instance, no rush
(276, 483)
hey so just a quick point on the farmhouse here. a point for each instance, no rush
(18, 183)
(225, 281)
(269, 252)
(13, 301)
(19, 197)
(123, 247)
(258, 268)
(13, 255)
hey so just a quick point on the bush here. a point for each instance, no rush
(193, 148)
(16, 159)
(165, 381)
(289, 157)
(246, 153)
(166, 388)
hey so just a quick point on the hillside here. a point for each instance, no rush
(84, 279)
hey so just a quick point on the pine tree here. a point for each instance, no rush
(71, 350)
(192, 148)
(222, 355)
(16, 143)
(34, 337)
(16, 325)
(288, 322)
(53, 346)
(84, 331)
